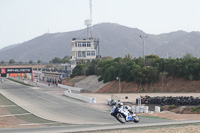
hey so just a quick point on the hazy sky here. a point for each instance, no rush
(22, 20)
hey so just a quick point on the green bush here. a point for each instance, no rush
(196, 109)
(172, 106)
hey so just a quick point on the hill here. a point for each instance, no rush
(115, 41)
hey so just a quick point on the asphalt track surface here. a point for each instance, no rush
(54, 108)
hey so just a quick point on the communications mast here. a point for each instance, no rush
(88, 22)
(85, 48)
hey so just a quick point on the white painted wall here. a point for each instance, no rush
(80, 97)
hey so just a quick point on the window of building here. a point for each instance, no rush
(79, 53)
(90, 53)
(88, 44)
(83, 53)
(79, 44)
(75, 44)
(84, 44)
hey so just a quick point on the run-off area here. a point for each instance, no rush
(13, 116)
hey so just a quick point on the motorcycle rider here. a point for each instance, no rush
(127, 110)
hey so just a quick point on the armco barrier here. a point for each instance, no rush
(69, 87)
(24, 81)
(80, 97)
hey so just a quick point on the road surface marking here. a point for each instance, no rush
(2, 106)
(28, 124)
(14, 115)
(40, 97)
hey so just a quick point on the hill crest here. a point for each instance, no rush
(115, 41)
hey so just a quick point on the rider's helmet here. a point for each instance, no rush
(120, 104)
(127, 107)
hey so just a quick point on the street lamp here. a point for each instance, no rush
(118, 78)
(143, 39)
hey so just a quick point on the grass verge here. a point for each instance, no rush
(5, 101)
(31, 118)
(151, 117)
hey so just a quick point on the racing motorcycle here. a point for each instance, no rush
(123, 113)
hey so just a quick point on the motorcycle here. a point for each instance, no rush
(123, 115)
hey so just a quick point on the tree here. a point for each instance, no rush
(188, 56)
(162, 76)
(150, 59)
(2, 62)
(93, 68)
(39, 61)
(137, 74)
(106, 57)
(30, 62)
(66, 59)
(11, 61)
(56, 60)
(78, 70)
(128, 57)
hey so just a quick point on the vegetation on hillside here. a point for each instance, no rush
(57, 60)
(134, 69)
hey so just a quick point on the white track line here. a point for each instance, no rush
(40, 97)
(10, 115)
(2, 106)
(39, 123)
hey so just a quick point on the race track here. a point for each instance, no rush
(54, 108)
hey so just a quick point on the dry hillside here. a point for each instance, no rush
(169, 85)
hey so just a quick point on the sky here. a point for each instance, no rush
(23, 20)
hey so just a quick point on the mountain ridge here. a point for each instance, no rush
(115, 41)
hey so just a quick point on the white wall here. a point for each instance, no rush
(69, 87)
(80, 97)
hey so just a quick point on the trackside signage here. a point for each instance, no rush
(3, 71)
(17, 70)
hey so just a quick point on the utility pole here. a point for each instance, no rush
(118, 78)
(143, 39)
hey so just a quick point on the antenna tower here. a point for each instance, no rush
(90, 18)
(88, 22)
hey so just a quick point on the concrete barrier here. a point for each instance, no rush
(146, 109)
(140, 109)
(80, 97)
(134, 109)
(157, 109)
(69, 87)
(24, 81)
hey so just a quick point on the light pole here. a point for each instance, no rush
(143, 39)
(118, 78)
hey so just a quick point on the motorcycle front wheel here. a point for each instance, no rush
(136, 119)
(120, 118)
